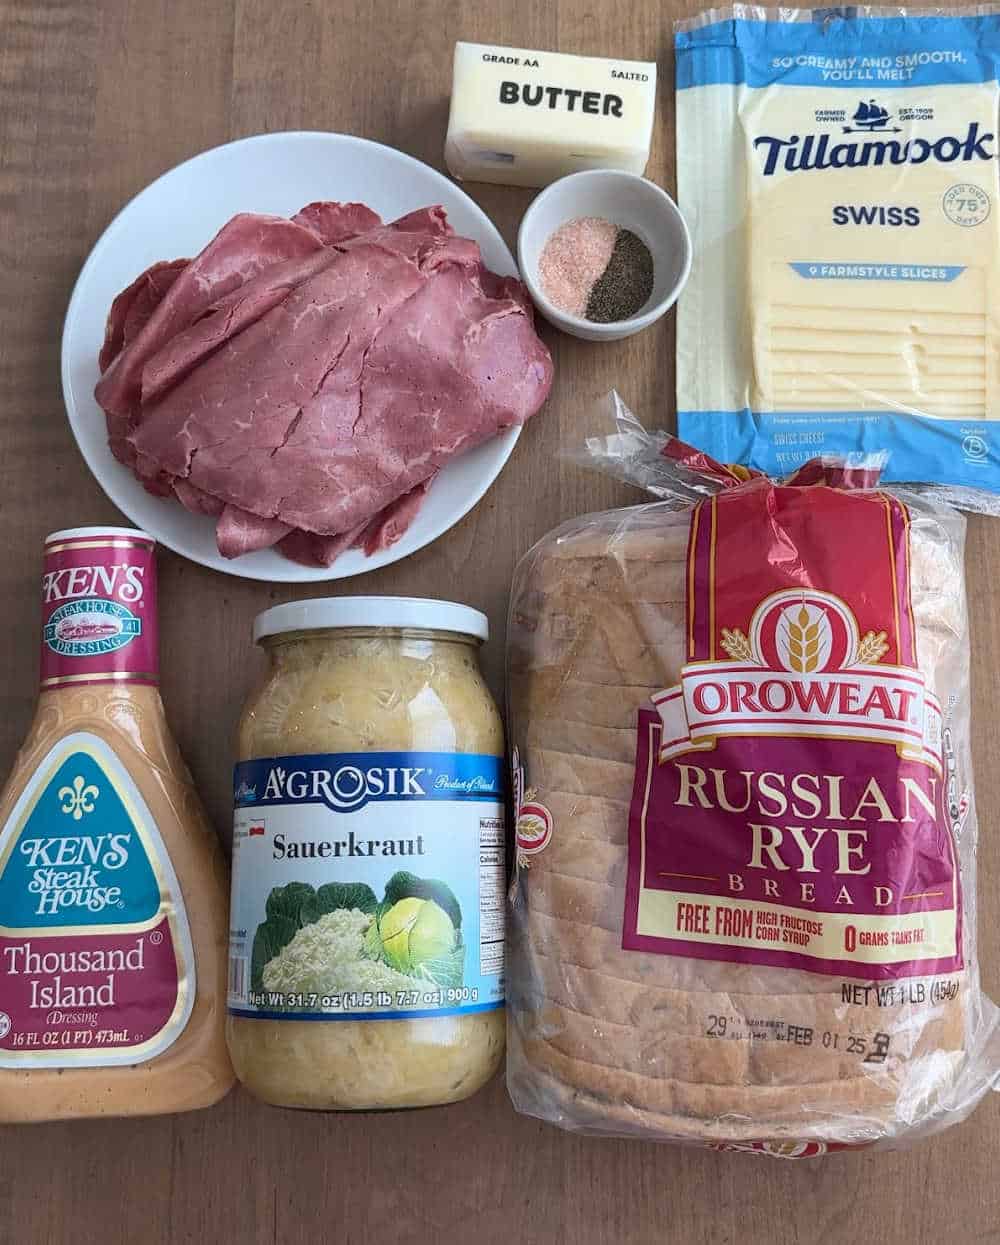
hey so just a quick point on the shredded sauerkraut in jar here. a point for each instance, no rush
(328, 956)
(364, 690)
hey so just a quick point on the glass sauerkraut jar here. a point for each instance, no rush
(367, 927)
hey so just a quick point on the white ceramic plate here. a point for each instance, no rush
(176, 216)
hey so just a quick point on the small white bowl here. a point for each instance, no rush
(629, 201)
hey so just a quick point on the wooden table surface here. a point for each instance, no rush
(98, 97)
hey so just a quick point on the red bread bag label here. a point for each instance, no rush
(789, 802)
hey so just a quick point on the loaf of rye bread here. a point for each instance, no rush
(627, 1042)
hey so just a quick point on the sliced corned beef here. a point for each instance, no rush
(134, 305)
(225, 318)
(308, 549)
(389, 526)
(226, 426)
(238, 252)
(197, 501)
(304, 380)
(238, 532)
(335, 222)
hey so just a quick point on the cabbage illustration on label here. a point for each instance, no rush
(792, 803)
(96, 961)
(340, 940)
(367, 886)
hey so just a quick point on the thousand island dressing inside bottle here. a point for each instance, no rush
(112, 884)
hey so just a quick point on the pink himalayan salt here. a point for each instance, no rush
(573, 259)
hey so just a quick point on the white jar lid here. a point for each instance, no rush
(392, 612)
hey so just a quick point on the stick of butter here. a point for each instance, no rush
(525, 118)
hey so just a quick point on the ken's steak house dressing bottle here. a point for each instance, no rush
(112, 885)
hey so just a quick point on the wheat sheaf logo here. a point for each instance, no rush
(804, 635)
(803, 667)
(533, 822)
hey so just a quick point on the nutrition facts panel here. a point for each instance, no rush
(492, 875)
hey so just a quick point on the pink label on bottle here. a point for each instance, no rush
(90, 992)
(99, 620)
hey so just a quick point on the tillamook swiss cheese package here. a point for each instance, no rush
(744, 906)
(847, 234)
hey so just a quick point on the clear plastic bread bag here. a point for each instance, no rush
(744, 906)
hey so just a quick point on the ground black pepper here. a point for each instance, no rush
(625, 284)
